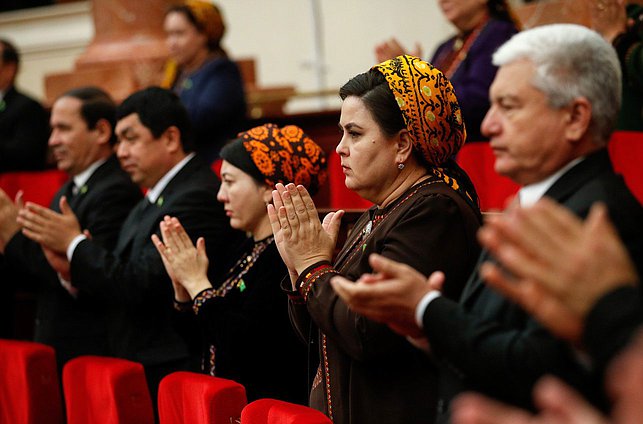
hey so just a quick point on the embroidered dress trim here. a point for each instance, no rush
(312, 276)
(327, 377)
(450, 61)
(357, 246)
(234, 280)
(235, 275)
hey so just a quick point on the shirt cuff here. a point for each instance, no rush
(72, 246)
(73, 291)
(423, 304)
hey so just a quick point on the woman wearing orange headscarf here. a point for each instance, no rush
(401, 126)
(200, 72)
(243, 315)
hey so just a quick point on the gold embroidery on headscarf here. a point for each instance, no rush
(429, 107)
(430, 110)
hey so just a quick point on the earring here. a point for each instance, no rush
(400, 166)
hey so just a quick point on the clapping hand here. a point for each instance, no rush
(186, 264)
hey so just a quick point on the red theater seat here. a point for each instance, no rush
(626, 151)
(38, 186)
(272, 411)
(493, 190)
(216, 167)
(187, 397)
(340, 196)
(102, 390)
(29, 388)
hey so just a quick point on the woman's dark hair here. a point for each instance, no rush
(371, 87)
(213, 45)
(500, 9)
(374, 91)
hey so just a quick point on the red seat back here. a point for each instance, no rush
(187, 397)
(493, 190)
(106, 390)
(38, 186)
(29, 387)
(626, 151)
(272, 411)
(340, 196)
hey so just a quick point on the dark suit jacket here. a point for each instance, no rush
(132, 278)
(488, 344)
(76, 326)
(24, 130)
(611, 324)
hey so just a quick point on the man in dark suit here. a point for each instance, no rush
(23, 121)
(555, 101)
(154, 148)
(82, 139)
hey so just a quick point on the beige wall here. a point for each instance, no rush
(277, 33)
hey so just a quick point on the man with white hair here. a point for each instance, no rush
(554, 104)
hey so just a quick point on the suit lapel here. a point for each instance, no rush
(564, 187)
(132, 225)
(145, 215)
(572, 180)
(475, 282)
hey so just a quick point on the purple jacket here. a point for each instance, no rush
(476, 72)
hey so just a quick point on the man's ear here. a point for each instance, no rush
(104, 130)
(578, 119)
(404, 146)
(172, 139)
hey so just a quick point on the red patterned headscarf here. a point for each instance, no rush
(278, 155)
(429, 107)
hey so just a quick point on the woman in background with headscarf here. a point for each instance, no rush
(243, 316)
(200, 72)
(401, 125)
(465, 58)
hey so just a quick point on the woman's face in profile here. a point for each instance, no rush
(368, 156)
(182, 38)
(243, 199)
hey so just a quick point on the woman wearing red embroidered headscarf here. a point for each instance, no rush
(401, 126)
(201, 74)
(482, 26)
(243, 315)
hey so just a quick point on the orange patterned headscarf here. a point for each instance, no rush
(278, 155)
(429, 107)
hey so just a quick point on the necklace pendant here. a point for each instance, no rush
(369, 227)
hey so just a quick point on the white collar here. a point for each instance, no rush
(82, 178)
(155, 192)
(531, 193)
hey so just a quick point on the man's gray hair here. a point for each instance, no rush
(571, 61)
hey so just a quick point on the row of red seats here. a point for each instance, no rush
(625, 149)
(102, 390)
(37, 186)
